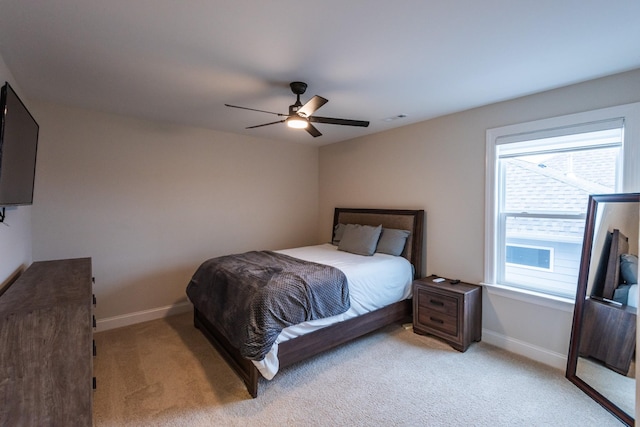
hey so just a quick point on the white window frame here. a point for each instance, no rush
(630, 181)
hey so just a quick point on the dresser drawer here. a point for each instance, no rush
(431, 301)
(438, 321)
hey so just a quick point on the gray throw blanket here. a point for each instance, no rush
(251, 297)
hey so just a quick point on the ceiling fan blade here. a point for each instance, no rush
(312, 105)
(253, 109)
(345, 122)
(313, 131)
(265, 124)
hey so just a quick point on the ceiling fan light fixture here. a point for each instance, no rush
(297, 122)
(301, 115)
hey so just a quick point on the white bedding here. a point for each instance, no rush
(374, 282)
(632, 299)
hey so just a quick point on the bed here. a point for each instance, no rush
(300, 341)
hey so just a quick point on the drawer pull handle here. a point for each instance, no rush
(436, 302)
(94, 321)
(94, 300)
(95, 383)
(95, 349)
(433, 319)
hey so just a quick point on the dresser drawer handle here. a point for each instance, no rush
(436, 302)
(95, 349)
(95, 384)
(94, 300)
(433, 319)
(94, 321)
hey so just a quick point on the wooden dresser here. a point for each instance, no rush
(46, 346)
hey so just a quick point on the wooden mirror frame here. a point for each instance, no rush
(583, 275)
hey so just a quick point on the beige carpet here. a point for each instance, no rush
(620, 389)
(165, 373)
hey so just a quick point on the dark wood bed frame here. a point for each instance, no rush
(619, 246)
(297, 349)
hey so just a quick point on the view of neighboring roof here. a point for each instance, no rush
(560, 183)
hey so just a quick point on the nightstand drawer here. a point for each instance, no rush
(431, 301)
(439, 321)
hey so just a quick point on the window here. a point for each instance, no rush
(519, 256)
(539, 178)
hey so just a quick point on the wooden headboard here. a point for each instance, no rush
(402, 219)
(619, 245)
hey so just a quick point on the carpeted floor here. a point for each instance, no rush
(620, 389)
(165, 373)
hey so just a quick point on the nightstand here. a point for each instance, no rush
(609, 333)
(452, 312)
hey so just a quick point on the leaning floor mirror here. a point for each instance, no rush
(602, 354)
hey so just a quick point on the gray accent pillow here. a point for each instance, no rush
(360, 239)
(338, 232)
(621, 294)
(392, 241)
(629, 268)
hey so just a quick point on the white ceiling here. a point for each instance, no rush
(181, 61)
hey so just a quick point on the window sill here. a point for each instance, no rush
(531, 297)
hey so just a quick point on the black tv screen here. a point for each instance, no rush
(18, 147)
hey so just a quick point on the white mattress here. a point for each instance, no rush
(374, 282)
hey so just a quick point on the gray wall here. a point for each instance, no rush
(150, 201)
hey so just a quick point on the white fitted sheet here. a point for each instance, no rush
(374, 282)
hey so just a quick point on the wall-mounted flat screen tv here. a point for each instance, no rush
(18, 147)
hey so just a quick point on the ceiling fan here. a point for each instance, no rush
(300, 116)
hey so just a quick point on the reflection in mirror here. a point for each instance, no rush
(603, 337)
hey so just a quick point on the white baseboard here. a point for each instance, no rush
(525, 349)
(142, 316)
(513, 345)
